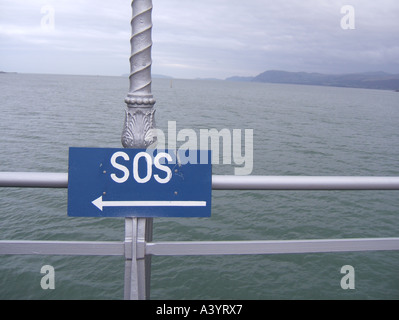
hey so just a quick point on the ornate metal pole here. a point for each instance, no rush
(139, 132)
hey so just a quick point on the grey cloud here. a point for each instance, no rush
(203, 38)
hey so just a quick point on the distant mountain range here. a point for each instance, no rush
(367, 80)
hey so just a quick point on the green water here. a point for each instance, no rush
(298, 130)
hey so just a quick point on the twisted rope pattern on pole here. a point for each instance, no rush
(139, 126)
(140, 58)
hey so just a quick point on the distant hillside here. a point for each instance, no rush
(236, 78)
(368, 80)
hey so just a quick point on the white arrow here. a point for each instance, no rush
(99, 203)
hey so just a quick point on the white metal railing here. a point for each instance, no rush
(137, 247)
(227, 182)
(34, 179)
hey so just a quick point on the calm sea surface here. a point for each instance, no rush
(298, 130)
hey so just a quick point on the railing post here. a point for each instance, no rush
(138, 231)
(139, 132)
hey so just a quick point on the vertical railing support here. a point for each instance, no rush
(139, 132)
(138, 231)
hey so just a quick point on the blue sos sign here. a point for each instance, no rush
(107, 182)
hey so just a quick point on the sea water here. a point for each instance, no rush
(297, 130)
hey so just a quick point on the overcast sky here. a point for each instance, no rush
(201, 38)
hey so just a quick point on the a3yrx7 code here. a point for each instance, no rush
(205, 309)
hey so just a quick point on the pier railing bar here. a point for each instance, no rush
(190, 248)
(304, 183)
(34, 179)
(139, 247)
(75, 248)
(227, 182)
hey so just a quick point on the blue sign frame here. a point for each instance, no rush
(111, 182)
